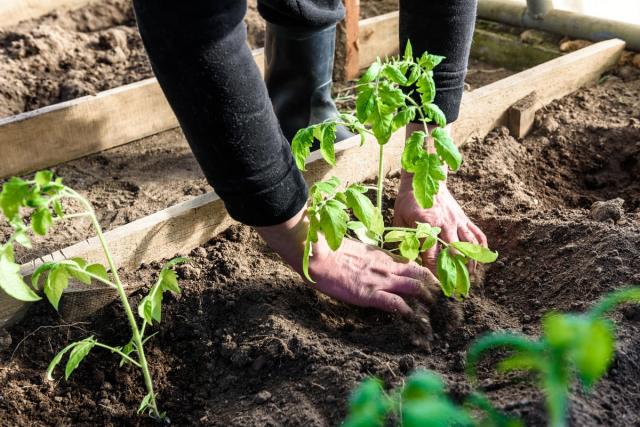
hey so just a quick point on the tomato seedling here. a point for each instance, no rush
(571, 345)
(385, 103)
(420, 402)
(43, 199)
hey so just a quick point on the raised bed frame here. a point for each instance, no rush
(122, 115)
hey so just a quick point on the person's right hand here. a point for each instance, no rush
(356, 273)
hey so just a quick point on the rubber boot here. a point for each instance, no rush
(298, 74)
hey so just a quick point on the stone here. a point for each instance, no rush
(604, 211)
(262, 397)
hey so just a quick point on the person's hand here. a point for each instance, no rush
(446, 213)
(356, 273)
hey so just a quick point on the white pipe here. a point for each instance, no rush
(560, 22)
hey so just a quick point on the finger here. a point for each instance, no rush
(482, 239)
(414, 271)
(429, 258)
(466, 235)
(406, 286)
(389, 302)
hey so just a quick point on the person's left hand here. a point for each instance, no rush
(446, 213)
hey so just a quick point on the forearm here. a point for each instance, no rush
(442, 27)
(199, 54)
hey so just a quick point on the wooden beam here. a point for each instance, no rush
(73, 129)
(379, 37)
(180, 228)
(522, 114)
(486, 108)
(14, 11)
(346, 53)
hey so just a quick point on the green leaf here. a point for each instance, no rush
(446, 149)
(403, 117)
(327, 143)
(57, 358)
(12, 196)
(429, 234)
(381, 125)
(594, 352)
(422, 385)
(410, 247)
(426, 178)
(426, 87)
(391, 96)
(368, 405)
(362, 232)
(41, 220)
(371, 74)
(328, 186)
(98, 270)
(145, 403)
(333, 223)
(78, 353)
(312, 237)
(435, 114)
(43, 178)
(21, 238)
(35, 276)
(393, 73)
(150, 307)
(11, 280)
(78, 272)
(447, 272)
(127, 350)
(365, 103)
(430, 61)
(395, 236)
(408, 51)
(434, 413)
(301, 146)
(57, 208)
(413, 151)
(363, 208)
(476, 252)
(463, 283)
(57, 281)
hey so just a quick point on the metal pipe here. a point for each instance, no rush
(537, 9)
(560, 22)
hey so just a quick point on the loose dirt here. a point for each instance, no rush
(248, 344)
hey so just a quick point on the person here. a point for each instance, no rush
(239, 127)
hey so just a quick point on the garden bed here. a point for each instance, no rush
(247, 343)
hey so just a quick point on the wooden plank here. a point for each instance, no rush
(14, 11)
(69, 130)
(486, 108)
(350, 28)
(379, 37)
(522, 114)
(180, 228)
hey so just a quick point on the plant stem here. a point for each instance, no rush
(380, 178)
(115, 350)
(137, 338)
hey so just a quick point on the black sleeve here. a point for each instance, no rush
(199, 54)
(441, 27)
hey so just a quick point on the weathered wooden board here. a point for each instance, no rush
(378, 37)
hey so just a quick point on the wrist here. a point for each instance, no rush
(288, 237)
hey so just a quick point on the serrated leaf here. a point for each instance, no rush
(12, 196)
(394, 236)
(463, 283)
(333, 223)
(446, 149)
(362, 207)
(127, 350)
(413, 151)
(392, 97)
(327, 187)
(362, 232)
(35, 276)
(41, 220)
(381, 126)
(11, 281)
(404, 117)
(408, 51)
(365, 103)
(394, 74)
(371, 74)
(301, 146)
(43, 178)
(57, 358)
(410, 247)
(76, 356)
(447, 272)
(435, 114)
(327, 143)
(426, 180)
(476, 252)
(57, 281)
(150, 307)
(426, 87)
(430, 61)
(98, 270)
(145, 403)
(57, 208)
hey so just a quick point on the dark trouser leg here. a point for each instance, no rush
(199, 54)
(299, 53)
(442, 27)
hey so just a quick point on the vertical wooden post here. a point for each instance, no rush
(347, 48)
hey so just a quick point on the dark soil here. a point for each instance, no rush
(247, 343)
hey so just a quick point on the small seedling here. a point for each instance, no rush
(42, 198)
(421, 402)
(385, 103)
(571, 345)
